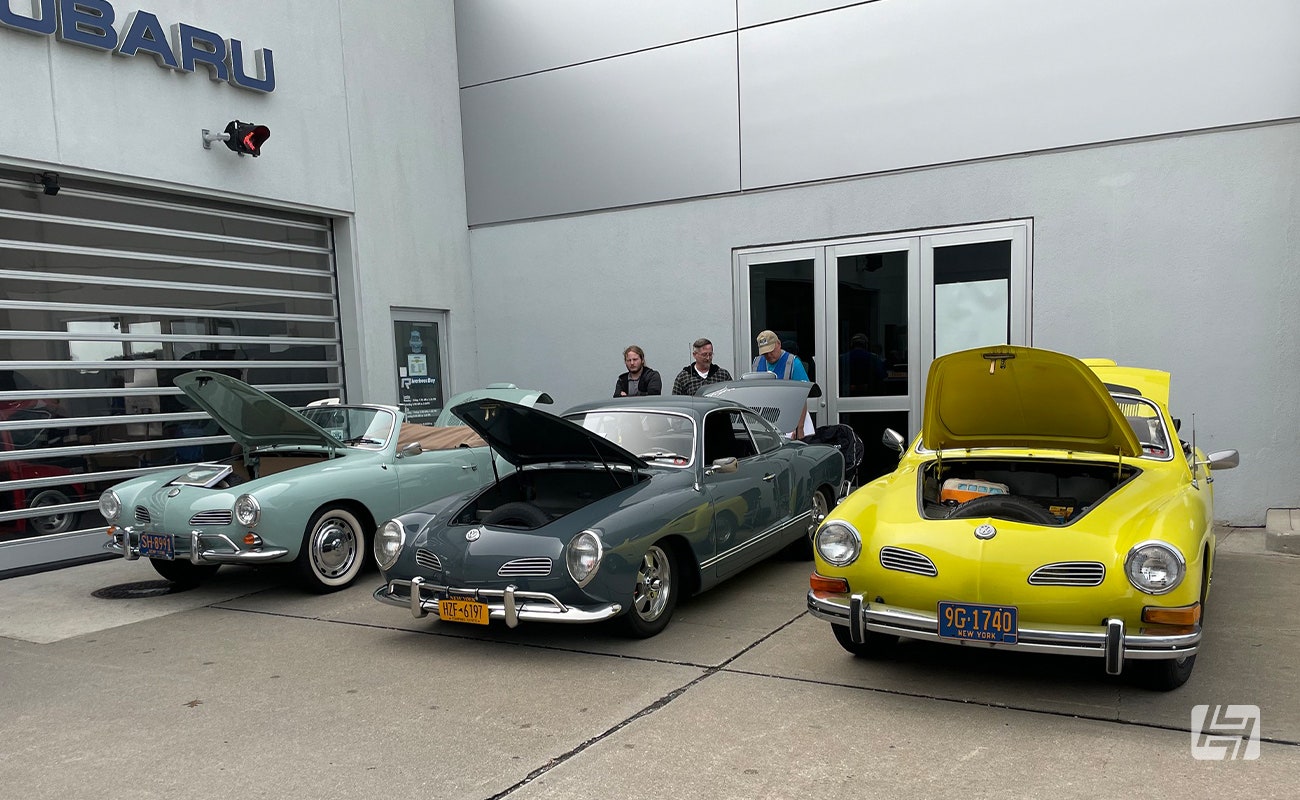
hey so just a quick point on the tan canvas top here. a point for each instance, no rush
(434, 438)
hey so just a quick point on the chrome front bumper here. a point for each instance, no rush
(203, 548)
(1109, 641)
(509, 604)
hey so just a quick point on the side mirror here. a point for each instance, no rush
(893, 440)
(724, 465)
(1223, 459)
(411, 449)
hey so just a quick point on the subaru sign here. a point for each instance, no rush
(89, 23)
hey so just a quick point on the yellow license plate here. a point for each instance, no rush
(470, 611)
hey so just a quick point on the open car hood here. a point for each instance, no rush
(780, 402)
(1005, 396)
(524, 435)
(251, 417)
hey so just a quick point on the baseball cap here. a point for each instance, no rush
(767, 342)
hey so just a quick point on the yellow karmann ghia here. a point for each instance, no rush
(1048, 505)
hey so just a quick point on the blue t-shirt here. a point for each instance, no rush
(797, 372)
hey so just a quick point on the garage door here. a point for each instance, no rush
(106, 295)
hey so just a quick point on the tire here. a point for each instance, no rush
(654, 597)
(59, 522)
(333, 550)
(517, 515)
(875, 645)
(1005, 506)
(1165, 675)
(184, 574)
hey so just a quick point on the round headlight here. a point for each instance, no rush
(838, 543)
(388, 543)
(247, 511)
(1155, 567)
(109, 505)
(583, 556)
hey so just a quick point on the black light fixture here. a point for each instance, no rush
(50, 180)
(244, 138)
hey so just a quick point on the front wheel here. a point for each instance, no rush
(874, 645)
(654, 595)
(333, 550)
(184, 574)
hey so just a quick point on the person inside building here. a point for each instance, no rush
(772, 357)
(639, 378)
(702, 371)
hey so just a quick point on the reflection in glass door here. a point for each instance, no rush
(868, 316)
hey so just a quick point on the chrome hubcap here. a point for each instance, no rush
(653, 585)
(334, 548)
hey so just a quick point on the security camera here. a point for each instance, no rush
(50, 180)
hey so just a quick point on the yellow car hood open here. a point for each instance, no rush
(1021, 397)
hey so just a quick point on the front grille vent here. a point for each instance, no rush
(216, 517)
(526, 568)
(896, 558)
(142, 515)
(1069, 573)
(428, 559)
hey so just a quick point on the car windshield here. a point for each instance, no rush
(368, 428)
(1148, 425)
(657, 437)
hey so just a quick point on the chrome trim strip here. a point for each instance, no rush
(1069, 573)
(1063, 640)
(528, 567)
(901, 559)
(781, 527)
(418, 596)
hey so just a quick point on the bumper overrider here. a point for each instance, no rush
(1109, 641)
(510, 604)
(198, 548)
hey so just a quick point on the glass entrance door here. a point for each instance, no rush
(868, 316)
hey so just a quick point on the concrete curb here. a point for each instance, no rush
(1282, 530)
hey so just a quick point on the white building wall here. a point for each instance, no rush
(1174, 253)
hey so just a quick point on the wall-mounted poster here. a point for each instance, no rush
(419, 370)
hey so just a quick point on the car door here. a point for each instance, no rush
(744, 500)
(431, 475)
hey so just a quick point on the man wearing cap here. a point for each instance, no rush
(786, 366)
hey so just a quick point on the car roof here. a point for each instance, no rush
(673, 403)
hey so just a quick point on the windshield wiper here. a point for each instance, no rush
(662, 454)
(362, 440)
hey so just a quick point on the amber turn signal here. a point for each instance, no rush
(252, 540)
(1182, 616)
(821, 583)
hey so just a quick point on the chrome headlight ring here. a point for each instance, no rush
(110, 505)
(248, 512)
(1155, 567)
(583, 555)
(838, 543)
(388, 543)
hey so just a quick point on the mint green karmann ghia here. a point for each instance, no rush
(305, 487)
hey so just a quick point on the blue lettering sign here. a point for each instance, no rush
(145, 35)
(42, 21)
(89, 23)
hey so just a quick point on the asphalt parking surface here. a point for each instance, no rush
(248, 689)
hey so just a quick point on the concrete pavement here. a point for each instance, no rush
(248, 689)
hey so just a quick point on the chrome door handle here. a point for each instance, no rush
(469, 466)
(769, 476)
